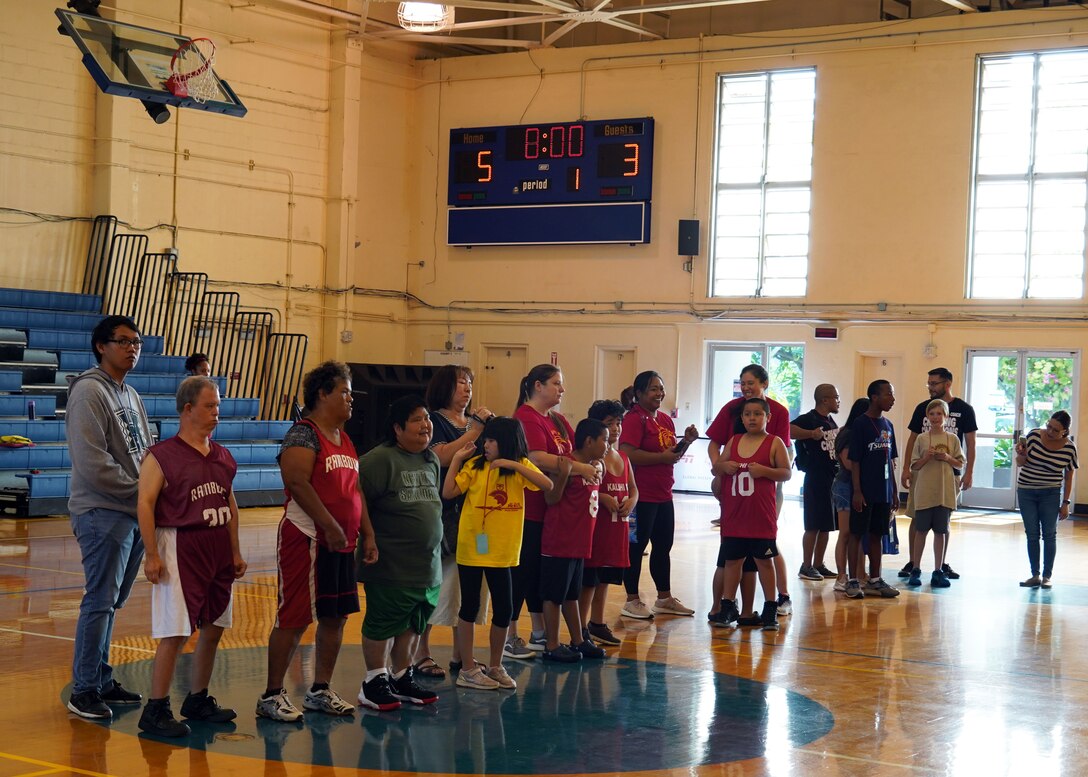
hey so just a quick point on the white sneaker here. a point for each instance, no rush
(278, 707)
(636, 609)
(476, 678)
(499, 675)
(537, 644)
(672, 606)
(328, 701)
(784, 605)
(840, 584)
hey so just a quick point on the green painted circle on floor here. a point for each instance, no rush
(615, 715)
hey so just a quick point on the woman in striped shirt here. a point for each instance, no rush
(1046, 458)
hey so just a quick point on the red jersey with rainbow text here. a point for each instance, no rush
(196, 488)
(748, 508)
(542, 434)
(654, 434)
(335, 478)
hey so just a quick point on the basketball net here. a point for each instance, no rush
(191, 72)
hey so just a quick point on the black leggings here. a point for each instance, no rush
(498, 583)
(526, 575)
(655, 523)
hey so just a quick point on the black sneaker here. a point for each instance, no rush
(89, 704)
(727, 615)
(749, 621)
(405, 689)
(949, 572)
(118, 695)
(378, 695)
(589, 650)
(906, 570)
(770, 616)
(158, 719)
(563, 655)
(202, 706)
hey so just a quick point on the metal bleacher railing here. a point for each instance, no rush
(241, 344)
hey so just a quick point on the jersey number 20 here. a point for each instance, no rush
(220, 517)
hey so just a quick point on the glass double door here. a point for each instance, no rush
(1012, 392)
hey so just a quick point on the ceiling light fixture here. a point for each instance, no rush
(425, 17)
(962, 5)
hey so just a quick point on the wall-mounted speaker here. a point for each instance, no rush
(687, 243)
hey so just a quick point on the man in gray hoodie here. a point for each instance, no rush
(107, 431)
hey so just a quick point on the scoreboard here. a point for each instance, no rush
(512, 173)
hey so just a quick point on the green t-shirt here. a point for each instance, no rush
(402, 497)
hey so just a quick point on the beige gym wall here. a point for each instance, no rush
(337, 178)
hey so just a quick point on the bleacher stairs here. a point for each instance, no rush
(44, 339)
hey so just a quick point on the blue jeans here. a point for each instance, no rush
(112, 551)
(1039, 509)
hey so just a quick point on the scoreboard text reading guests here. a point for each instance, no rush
(558, 182)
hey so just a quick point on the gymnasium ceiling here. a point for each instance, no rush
(494, 26)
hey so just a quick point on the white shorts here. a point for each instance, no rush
(194, 591)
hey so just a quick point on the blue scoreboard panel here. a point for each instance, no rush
(553, 183)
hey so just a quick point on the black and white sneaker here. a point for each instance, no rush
(378, 695)
(158, 719)
(770, 616)
(116, 694)
(405, 689)
(89, 704)
(203, 706)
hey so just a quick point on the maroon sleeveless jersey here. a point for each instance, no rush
(335, 478)
(196, 488)
(748, 503)
(611, 534)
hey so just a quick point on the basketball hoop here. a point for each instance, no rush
(191, 72)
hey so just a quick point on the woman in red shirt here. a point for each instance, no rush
(648, 438)
(549, 438)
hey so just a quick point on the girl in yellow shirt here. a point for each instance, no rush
(489, 537)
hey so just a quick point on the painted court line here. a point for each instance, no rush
(113, 645)
(51, 768)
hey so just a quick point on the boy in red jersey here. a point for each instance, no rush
(752, 464)
(611, 535)
(567, 541)
(189, 525)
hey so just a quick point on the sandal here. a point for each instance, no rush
(428, 667)
(455, 666)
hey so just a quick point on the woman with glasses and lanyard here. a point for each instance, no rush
(1046, 458)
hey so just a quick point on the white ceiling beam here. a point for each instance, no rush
(683, 5)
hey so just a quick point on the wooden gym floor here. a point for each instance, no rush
(984, 678)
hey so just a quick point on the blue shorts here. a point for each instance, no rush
(841, 493)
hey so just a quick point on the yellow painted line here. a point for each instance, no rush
(44, 771)
(54, 768)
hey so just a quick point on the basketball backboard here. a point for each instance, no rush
(130, 61)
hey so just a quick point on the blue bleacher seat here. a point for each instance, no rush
(65, 339)
(50, 300)
(45, 339)
(16, 405)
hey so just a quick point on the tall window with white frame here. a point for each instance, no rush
(762, 184)
(1030, 193)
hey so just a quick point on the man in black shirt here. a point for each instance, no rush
(814, 435)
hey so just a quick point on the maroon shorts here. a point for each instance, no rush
(314, 582)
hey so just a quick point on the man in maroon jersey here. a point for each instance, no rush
(189, 524)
